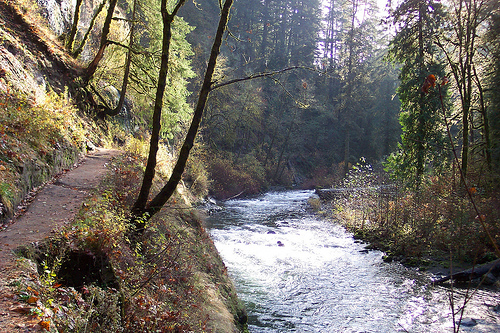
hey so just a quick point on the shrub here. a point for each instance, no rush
(169, 279)
(433, 221)
(230, 180)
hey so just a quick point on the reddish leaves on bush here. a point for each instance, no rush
(430, 81)
(45, 324)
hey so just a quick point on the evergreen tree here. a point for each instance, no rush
(422, 141)
(299, 118)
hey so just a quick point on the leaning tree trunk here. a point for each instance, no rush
(161, 198)
(149, 173)
(473, 273)
(80, 47)
(92, 67)
(74, 27)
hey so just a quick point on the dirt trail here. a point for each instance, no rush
(53, 207)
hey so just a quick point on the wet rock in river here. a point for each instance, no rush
(468, 322)
(489, 279)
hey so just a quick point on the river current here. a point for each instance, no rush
(296, 272)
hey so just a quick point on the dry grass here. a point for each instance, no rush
(34, 133)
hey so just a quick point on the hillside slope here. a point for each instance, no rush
(40, 131)
(94, 273)
(31, 60)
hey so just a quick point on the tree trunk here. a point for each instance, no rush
(161, 198)
(149, 173)
(284, 147)
(349, 98)
(92, 67)
(74, 27)
(473, 273)
(347, 150)
(486, 124)
(265, 30)
(79, 50)
(123, 91)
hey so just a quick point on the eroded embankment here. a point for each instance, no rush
(91, 273)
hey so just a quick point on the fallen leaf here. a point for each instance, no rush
(45, 324)
(32, 290)
(32, 300)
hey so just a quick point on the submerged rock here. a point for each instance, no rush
(468, 322)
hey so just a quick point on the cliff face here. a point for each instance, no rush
(58, 13)
(32, 60)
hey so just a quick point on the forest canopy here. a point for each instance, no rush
(339, 80)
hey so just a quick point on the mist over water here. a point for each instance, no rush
(299, 273)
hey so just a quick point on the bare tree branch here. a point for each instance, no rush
(259, 75)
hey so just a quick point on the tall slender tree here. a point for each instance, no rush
(422, 142)
(459, 43)
(493, 82)
(140, 208)
(149, 173)
(75, 52)
(128, 61)
(74, 27)
(92, 67)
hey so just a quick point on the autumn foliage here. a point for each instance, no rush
(420, 227)
(162, 282)
(430, 81)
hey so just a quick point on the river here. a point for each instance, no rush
(296, 272)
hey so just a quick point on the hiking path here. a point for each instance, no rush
(52, 208)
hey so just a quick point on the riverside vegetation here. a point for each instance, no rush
(318, 111)
(435, 226)
(92, 275)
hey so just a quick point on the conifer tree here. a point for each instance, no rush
(422, 141)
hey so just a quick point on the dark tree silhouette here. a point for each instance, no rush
(141, 210)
